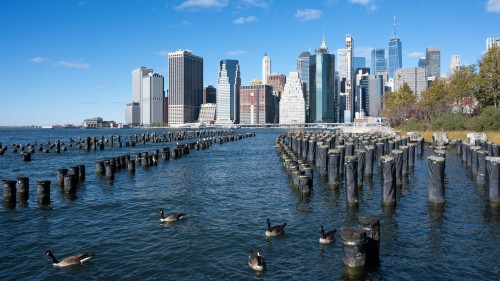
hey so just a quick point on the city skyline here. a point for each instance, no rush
(66, 61)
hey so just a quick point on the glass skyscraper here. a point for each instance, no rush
(303, 70)
(378, 61)
(228, 92)
(322, 86)
(395, 53)
(433, 59)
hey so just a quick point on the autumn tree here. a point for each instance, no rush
(398, 105)
(489, 74)
(434, 101)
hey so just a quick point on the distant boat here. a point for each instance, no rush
(47, 127)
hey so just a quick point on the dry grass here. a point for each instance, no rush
(493, 136)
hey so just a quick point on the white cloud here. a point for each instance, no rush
(363, 51)
(202, 4)
(162, 53)
(39, 59)
(69, 64)
(237, 53)
(493, 6)
(308, 14)
(256, 3)
(185, 22)
(242, 20)
(416, 54)
(369, 4)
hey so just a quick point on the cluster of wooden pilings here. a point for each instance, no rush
(349, 159)
(69, 179)
(361, 245)
(482, 159)
(95, 143)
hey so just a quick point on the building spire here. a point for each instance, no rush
(395, 27)
(323, 44)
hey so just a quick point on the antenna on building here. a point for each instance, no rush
(395, 27)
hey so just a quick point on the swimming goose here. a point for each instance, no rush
(275, 230)
(327, 238)
(70, 260)
(172, 217)
(256, 261)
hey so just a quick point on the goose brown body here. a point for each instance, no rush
(275, 230)
(171, 217)
(328, 237)
(76, 259)
(256, 261)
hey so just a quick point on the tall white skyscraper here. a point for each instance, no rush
(490, 42)
(292, 104)
(349, 97)
(266, 68)
(454, 64)
(137, 75)
(153, 96)
(228, 92)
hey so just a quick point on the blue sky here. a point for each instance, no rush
(67, 60)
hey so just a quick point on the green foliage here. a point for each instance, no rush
(489, 74)
(449, 122)
(414, 124)
(488, 120)
(398, 105)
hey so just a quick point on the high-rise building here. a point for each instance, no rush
(490, 42)
(358, 62)
(413, 76)
(292, 103)
(454, 64)
(277, 81)
(137, 95)
(422, 63)
(303, 70)
(152, 103)
(228, 92)
(378, 61)
(395, 53)
(133, 114)
(375, 91)
(433, 59)
(322, 102)
(349, 94)
(361, 93)
(185, 84)
(209, 94)
(266, 68)
(342, 63)
(256, 104)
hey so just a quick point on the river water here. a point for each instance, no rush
(228, 192)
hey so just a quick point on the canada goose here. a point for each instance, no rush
(275, 230)
(326, 238)
(76, 259)
(172, 217)
(256, 261)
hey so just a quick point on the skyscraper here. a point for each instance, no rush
(303, 70)
(322, 101)
(292, 103)
(209, 94)
(358, 62)
(378, 61)
(228, 92)
(135, 115)
(153, 95)
(433, 59)
(266, 68)
(413, 76)
(490, 42)
(454, 64)
(256, 106)
(349, 95)
(395, 53)
(422, 62)
(185, 83)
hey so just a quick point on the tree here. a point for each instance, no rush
(489, 74)
(435, 101)
(398, 105)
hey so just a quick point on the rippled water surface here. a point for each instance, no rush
(228, 192)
